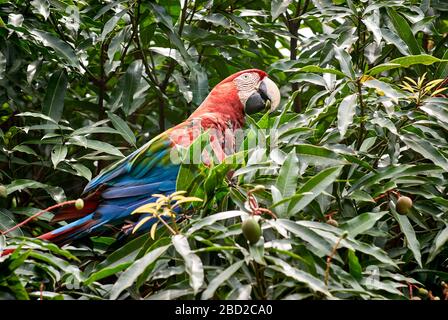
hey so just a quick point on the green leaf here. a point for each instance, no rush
(128, 277)
(345, 62)
(7, 221)
(25, 149)
(346, 112)
(126, 253)
(333, 234)
(373, 27)
(110, 24)
(170, 294)
(58, 154)
(411, 239)
(354, 266)
(439, 244)
(106, 272)
(36, 115)
(53, 104)
(212, 219)
(286, 183)
(384, 122)
(299, 275)
(15, 286)
(193, 264)
(442, 69)
(82, 170)
(287, 177)
(131, 81)
(383, 67)
(51, 247)
(309, 77)
(426, 149)
(162, 16)
(220, 279)
(106, 8)
(318, 156)
(123, 128)
(317, 69)
(93, 129)
(360, 195)
(361, 223)
(404, 31)
(312, 188)
(306, 234)
(56, 193)
(375, 177)
(391, 38)
(61, 47)
(385, 88)
(405, 62)
(42, 7)
(199, 84)
(57, 262)
(436, 109)
(100, 146)
(279, 7)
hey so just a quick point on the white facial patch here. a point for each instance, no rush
(246, 84)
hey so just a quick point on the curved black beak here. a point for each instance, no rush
(267, 96)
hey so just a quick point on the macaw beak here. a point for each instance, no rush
(267, 96)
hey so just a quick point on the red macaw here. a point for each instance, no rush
(116, 192)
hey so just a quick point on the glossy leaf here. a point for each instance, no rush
(130, 275)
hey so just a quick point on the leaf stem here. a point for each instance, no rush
(167, 225)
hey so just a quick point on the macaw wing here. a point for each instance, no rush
(141, 166)
(120, 189)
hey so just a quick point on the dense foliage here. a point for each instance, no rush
(363, 121)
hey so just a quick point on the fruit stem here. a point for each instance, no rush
(253, 204)
(37, 214)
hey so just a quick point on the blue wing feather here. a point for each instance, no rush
(126, 185)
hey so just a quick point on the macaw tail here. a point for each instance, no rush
(97, 218)
(112, 196)
(68, 212)
(69, 232)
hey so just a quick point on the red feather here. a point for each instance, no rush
(69, 212)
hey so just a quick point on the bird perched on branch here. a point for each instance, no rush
(116, 192)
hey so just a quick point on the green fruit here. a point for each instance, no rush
(3, 191)
(436, 298)
(258, 187)
(79, 204)
(333, 222)
(251, 230)
(403, 205)
(422, 292)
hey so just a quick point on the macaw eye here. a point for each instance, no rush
(246, 81)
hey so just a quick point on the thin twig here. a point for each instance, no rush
(38, 214)
(363, 107)
(330, 257)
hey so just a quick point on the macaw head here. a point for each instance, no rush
(245, 92)
(254, 89)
